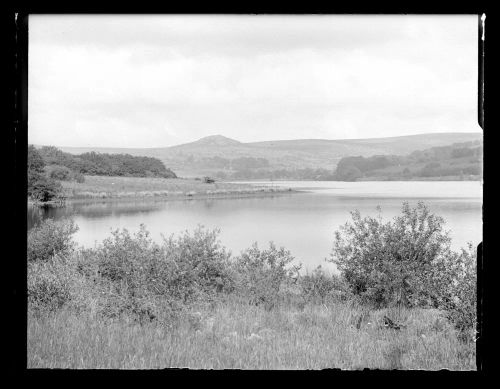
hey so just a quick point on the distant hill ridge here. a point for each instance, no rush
(427, 138)
(212, 140)
(203, 156)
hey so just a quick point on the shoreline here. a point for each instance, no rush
(166, 197)
(368, 179)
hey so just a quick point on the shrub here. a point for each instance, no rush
(79, 177)
(389, 262)
(200, 256)
(318, 286)
(59, 172)
(148, 280)
(48, 284)
(459, 295)
(35, 160)
(49, 238)
(44, 189)
(64, 173)
(55, 283)
(262, 274)
(407, 262)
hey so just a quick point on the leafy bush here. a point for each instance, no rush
(148, 280)
(385, 262)
(59, 172)
(50, 238)
(52, 283)
(44, 189)
(261, 275)
(318, 286)
(35, 160)
(459, 297)
(407, 262)
(35, 167)
(79, 177)
(201, 256)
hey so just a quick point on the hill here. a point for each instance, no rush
(224, 156)
(457, 161)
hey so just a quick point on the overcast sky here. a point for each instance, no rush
(153, 81)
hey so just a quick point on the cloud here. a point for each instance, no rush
(141, 81)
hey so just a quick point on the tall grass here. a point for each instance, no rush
(234, 335)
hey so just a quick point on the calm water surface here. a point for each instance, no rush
(304, 223)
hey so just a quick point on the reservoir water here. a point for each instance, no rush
(304, 223)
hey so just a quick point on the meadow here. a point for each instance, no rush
(103, 187)
(234, 335)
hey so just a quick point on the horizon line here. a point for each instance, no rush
(259, 141)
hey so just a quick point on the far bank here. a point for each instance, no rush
(132, 188)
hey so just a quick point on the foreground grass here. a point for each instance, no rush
(234, 335)
(118, 187)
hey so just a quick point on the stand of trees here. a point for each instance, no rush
(41, 187)
(102, 164)
(455, 160)
(48, 166)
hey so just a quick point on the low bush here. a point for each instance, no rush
(56, 282)
(59, 172)
(64, 173)
(460, 295)
(49, 238)
(200, 257)
(262, 274)
(319, 286)
(148, 280)
(79, 177)
(44, 189)
(407, 262)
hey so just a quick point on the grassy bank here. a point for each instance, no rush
(103, 187)
(235, 335)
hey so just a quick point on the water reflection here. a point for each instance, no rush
(304, 223)
(93, 210)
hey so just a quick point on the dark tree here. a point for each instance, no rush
(35, 166)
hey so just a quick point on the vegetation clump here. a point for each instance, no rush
(408, 262)
(102, 164)
(262, 275)
(456, 160)
(62, 173)
(50, 238)
(41, 188)
(320, 287)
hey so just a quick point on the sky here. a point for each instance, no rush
(162, 80)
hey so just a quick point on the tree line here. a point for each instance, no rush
(455, 160)
(103, 164)
(48, 166)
